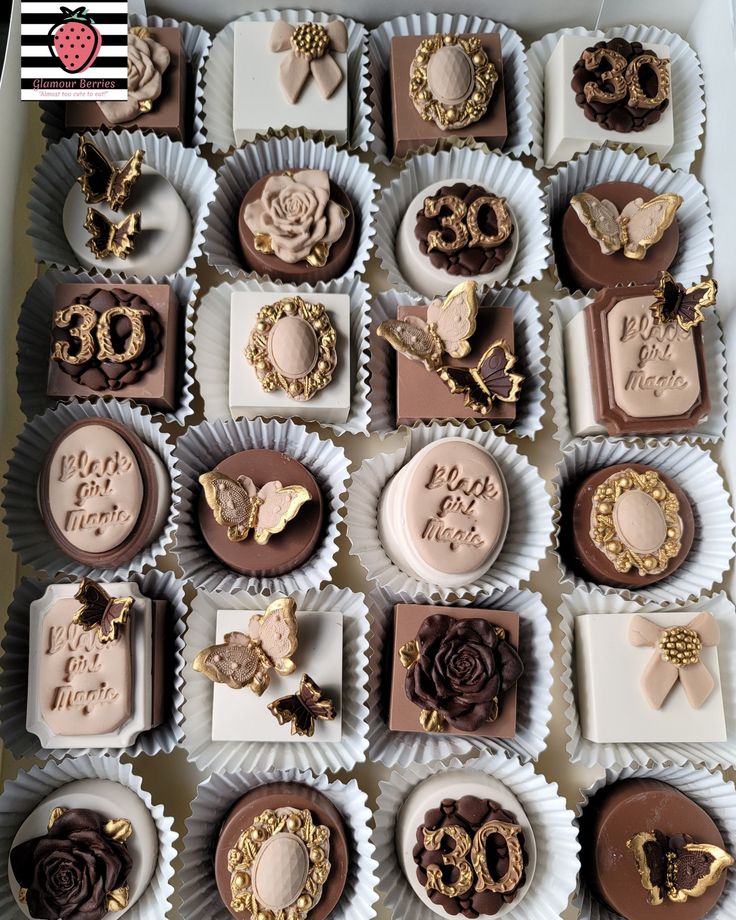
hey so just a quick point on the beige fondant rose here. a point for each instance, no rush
(294, 217)
(147, 61)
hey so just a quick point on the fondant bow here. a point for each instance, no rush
(676, 657)
(309, 45)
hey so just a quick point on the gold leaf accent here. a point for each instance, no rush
(409, 654)
(56, 813)
(432, 721)
(119, 829)
(117, 899)
(141, 31)
(263, 243)
(494, 710)
(500, 632)
(318, 256)
(698, 297)
(22, 895)
(145, 105)
(657, 894)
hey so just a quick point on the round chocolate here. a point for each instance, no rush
(639, 524)
(612, 817)
(286, 795)
(338, 260)
(582, 266)
(284, 551)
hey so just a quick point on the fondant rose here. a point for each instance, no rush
(147, 61)
(70, 871)
(463, 669)
(296, 214)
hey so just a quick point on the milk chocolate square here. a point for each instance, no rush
(421, 395)
(410, 131)
(403, 713)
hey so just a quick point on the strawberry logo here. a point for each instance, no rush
(74, 41)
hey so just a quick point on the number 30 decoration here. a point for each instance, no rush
(624, 78)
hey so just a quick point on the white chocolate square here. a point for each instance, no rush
(566, 129)
(241, 715)
(248, 399)
(259, 102)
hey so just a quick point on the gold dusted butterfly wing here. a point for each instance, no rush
(233, 504)
(674, 303)
(455, 318)
(99, 611)
(101, 180)
(108, 238)
(415, 339)
(644, 223)
(277, 505)
(302, 710)
(491, 380)
(276, 631)
(234, 662)
(600, 218)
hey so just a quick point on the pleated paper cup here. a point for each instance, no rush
(515, 78)
(212, 346)
(58, 170)
(526, 541)
(14, 668)
(34, 339)
(687, 99)
(709, 790)
(30, 787)
(616, 756)
(196, 42)
(218, 102)
(710, 428)
(212, 803)
(694, 470)
(247, 165)
(557, 848)
(25, 526)
(528, 346)
(695, 247)
(500, 175)
(534, 694)
(202, 447)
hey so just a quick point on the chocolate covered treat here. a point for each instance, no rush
(455, 671)
(297, 226)
(261, 512)
(631, 525)
(103, 494)
(651, 853)
(282, 850)
(446, 86)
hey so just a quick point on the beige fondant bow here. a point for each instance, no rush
(309, 45)
(676, 657)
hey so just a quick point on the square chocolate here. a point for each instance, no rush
(151, 333)
(421, 395)
(403, 713)
(410, 131)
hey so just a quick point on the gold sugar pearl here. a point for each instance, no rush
(317, 855)
(293, 823)
(657, 494)
(310, 40)
(304, 902)
(477, 59)
(448, 39)
(680, 646)
(605, 507)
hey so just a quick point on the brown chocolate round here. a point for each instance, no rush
(612, 817)
(580, 263)
(284, 551)
(338, 260)
(285, 795)
(595, 564)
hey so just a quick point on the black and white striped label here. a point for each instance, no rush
(74, 52)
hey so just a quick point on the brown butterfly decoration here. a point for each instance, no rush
(303, 708)
(109, 238)
(491, 379)
(101, 180)
(100, 611)
(674, 303)
(245, 660)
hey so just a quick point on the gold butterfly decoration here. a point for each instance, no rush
(100, 611)
(304, 708)
(492, 378)
(108, 238)
(101, 180)
(242, 508)
(244, 660)
(674, 303)
(634, 230)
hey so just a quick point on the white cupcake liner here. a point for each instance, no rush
(155, 584)
(202, 447)
(25, 526)
(557, 862)
(245, 166)
(711, 791)
(212, 345)
(529, 349)
(30, 787)
(695, 248)
(534, 695)
(711, 428)
(688, 102)
(57, 172)
(616, 756)
(526, 541)
(34, 338)
(500, 175)
(697, 474)
(196, 42)
(228, 756)
(516, 80)
(214, 799)
(218, 80)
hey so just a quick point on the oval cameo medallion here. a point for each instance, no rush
(292, 347)
(280, 871)
(450, 75)
(639, 521)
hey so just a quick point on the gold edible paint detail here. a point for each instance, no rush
(310, 40)
(119, 829)
(56, 813)
(463, 223)
(455, 858)
(118, 899)
(510, 880)
(431, 721)
(409, 654)
(680, 646)
(624, 79)
(22, 895)
(721, 861)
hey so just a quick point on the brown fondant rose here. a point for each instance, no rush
(70, 871)
(147, 61)
(294, 217)
(463, 669)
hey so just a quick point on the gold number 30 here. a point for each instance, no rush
(83, 333)
(625, 78)
(462, 222)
